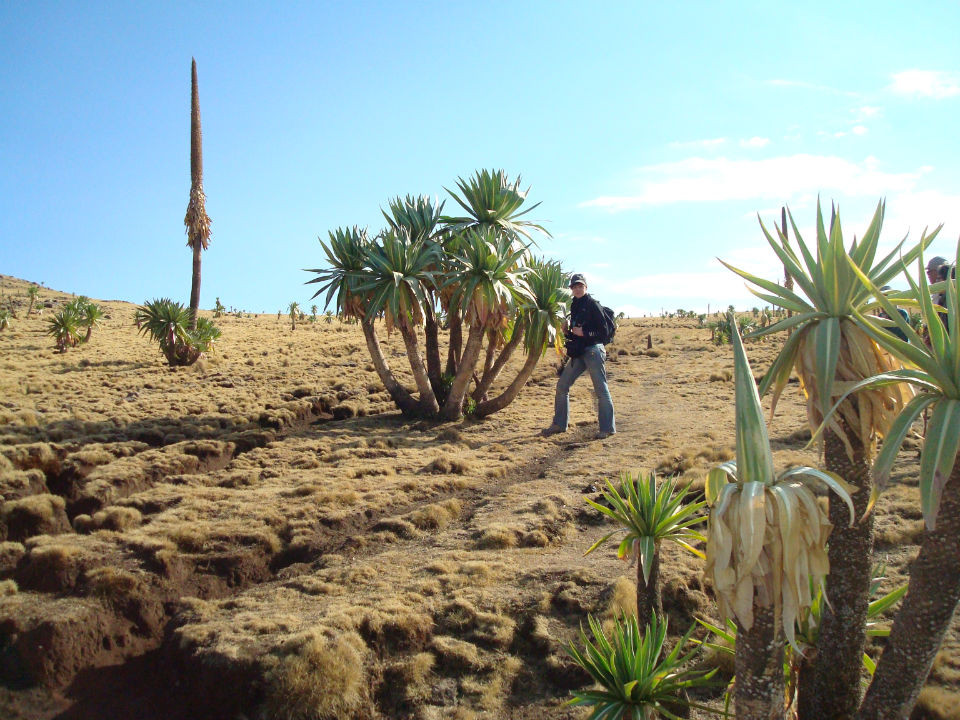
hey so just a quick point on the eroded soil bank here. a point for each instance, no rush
(261, 535)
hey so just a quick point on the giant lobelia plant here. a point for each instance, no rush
(476, 271)
(766, 540)
(196, 220)
(830, 350)
(933, 592)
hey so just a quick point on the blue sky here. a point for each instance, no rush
(652, 133)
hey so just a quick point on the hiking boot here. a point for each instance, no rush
(552, 430)
(603, 434)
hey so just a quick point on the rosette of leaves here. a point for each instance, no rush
(168, 323)
(828, 345)
(636, 679)
(65, 327)
(89, 315)
(649, 514)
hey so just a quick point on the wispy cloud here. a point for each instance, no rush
(719, 179)
(866, 111)
(689, 144)
(755, 142)
(926, 83)
(782, 82)
(859, 130)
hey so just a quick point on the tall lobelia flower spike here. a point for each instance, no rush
(197, 221)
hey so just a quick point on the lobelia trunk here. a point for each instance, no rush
(428, 401)
(924, 617)
(432, 333)
(758, 665)
(490, 376)
(456, 345)
(398, 393)
(836, 680)
(649, 600)
(195, 288)
(488, 407)
(453, 407)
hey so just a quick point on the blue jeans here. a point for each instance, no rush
(593, 360)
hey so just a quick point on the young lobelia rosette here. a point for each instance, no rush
(766, 534)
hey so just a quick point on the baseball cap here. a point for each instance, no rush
(577, 278)
(935, 262)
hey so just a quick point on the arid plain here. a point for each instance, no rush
(262, 535)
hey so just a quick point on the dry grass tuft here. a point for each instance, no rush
(498, 537)
(946, 667)
(450, 435)
(620, 598)
(393, 627)
(534, 538)
(397, 526)
(8, 587)
(10, 554)
(33, 515)
(117, 518)
(939, 703)
(322, 679)
(112, 583)
(891, 531)
(436, 516)
(457, 654)
(444, 465)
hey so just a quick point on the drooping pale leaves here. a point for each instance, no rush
(766, 535)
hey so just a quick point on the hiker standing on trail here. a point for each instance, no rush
(586, 334)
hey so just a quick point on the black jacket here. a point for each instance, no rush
(586, 313)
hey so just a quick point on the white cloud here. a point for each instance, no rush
(783, 178)
(867, 111)
(859, 130)
(755, 142)
(708, 143)
(926, 83)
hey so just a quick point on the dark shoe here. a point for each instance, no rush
(602, 435)
(552, 430)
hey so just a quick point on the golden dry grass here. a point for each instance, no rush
(365, 564)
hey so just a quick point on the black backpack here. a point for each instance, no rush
(609, 324)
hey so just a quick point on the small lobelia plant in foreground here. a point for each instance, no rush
(5, 317)
(649, 513)
(218, 308)
(637, 680)
(933, 591)
(766, 539)
(168, 323)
